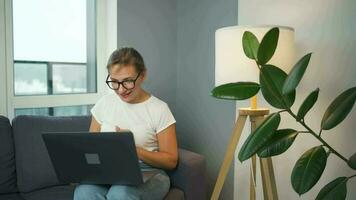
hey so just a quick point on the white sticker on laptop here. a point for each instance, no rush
(92, 158)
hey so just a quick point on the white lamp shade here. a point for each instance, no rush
(231, 63)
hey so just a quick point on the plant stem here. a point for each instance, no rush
(303, 131)
(352, 176)
(318, 137)
(281, 111)
(320, 132)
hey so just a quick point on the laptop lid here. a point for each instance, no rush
(94, 158)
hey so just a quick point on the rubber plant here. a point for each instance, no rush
(279, 90)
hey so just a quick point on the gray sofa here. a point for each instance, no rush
(26, 172)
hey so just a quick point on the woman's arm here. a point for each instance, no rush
(167, 156)
(94, 125)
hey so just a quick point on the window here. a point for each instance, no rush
(53, 55)
(52, 44)
(56, 111)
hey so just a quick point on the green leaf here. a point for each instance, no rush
(335, 190)
(268, 46)
(307, 104)
(259, 137)
(296, 74)
(271, 80)
(339, 109)
(352, 161)
(236, 91)
(278, 143)
(250, 44)
(308, 169)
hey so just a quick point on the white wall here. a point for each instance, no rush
(328, 29)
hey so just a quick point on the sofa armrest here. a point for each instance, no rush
(190, 175)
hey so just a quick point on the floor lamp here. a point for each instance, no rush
(231, 65)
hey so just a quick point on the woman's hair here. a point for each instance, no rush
(127, 56)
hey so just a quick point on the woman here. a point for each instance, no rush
(150, 120)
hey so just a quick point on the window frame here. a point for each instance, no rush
(106, 42)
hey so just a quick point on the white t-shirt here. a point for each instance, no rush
(144, 119)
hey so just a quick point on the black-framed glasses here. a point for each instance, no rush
(127, 84)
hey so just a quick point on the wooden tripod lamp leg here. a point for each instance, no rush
(267, 172)
(253, 179)
(253, 163)
(268, 179)
(229, 155)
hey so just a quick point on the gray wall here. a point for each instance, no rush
(327, 28)
(204, 123)
(150, 27)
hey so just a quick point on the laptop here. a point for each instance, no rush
(95, 158)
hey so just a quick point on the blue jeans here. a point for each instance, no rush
(155, 188)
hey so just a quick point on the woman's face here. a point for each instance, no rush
(127, 73)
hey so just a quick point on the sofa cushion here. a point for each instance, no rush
(14, 196)
(7, 158)
(33, 165)
(190, 175)
(174, 194)
(64, 192)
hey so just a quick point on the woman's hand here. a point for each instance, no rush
(139, 152)
(118, 129)
(95, 127)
